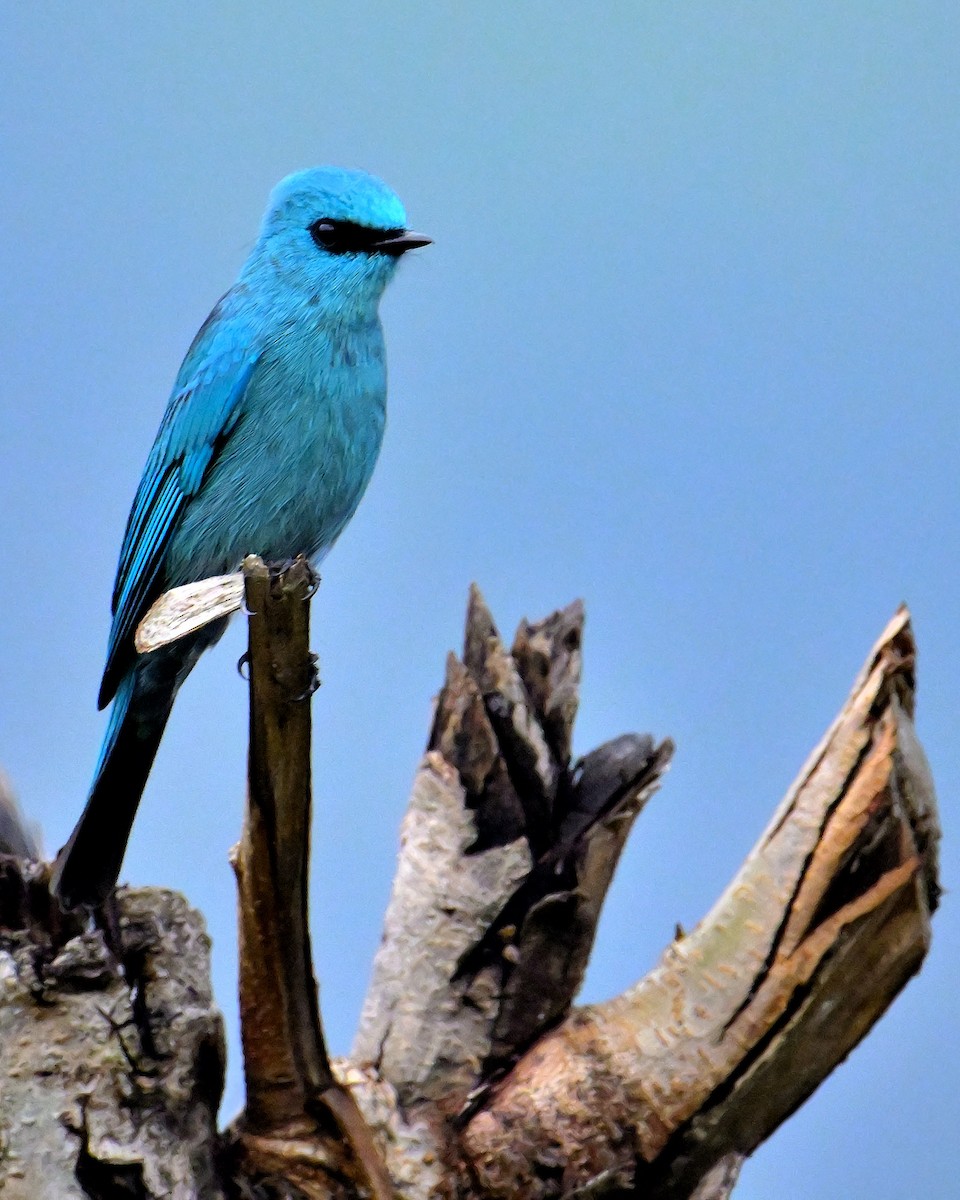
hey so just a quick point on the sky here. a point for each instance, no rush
(686, 346)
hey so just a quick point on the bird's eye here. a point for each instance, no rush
(346, 237)
(323, 233)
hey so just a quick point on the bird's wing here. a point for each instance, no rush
(200, 415)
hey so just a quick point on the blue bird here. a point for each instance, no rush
(267, 444)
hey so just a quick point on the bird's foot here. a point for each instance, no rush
(314, 585)
(279, 569)
(313, 682)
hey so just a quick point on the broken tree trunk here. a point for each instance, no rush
(738, 1023)
(475, 1075)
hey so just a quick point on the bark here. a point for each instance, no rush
(506, 854)
(110, 1070)
(474, 1075)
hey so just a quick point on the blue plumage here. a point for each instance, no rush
(267, 445)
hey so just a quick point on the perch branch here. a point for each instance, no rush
(294, 1103)
(825, 922)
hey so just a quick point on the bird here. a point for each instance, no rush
(267, 444)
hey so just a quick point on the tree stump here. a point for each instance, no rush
(472, 1075)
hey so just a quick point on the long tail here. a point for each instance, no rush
(87, 867)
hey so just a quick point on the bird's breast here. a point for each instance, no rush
(294, 468)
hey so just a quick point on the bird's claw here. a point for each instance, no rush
(314, 585)
(244, 661)
(279, 569)
(312, 685)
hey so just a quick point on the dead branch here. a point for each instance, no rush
(292, 1095)
(739, 1022)
(475, 1077)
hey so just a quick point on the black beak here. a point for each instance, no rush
(399, 241)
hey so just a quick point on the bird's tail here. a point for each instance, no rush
(87, 867)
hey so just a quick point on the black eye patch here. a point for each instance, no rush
(345, 237)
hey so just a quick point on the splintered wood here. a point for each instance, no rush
(506, 854)
(825, 922)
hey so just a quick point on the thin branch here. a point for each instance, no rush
(291, 1089)
(273, 857)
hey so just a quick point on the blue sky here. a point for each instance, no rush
(686, 346)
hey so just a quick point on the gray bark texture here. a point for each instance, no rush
(110, 1072)
(473, 1076)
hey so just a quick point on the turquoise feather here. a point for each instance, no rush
(268, 442)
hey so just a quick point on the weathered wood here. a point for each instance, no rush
(741, 1019)
(110, 1072)
(426, 1031)
(718, 1183)
(186, 609)
(549, 658)
(556, 910)
(506, 854)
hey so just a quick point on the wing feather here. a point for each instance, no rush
(204, 408)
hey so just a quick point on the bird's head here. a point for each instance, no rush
(335, 236)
